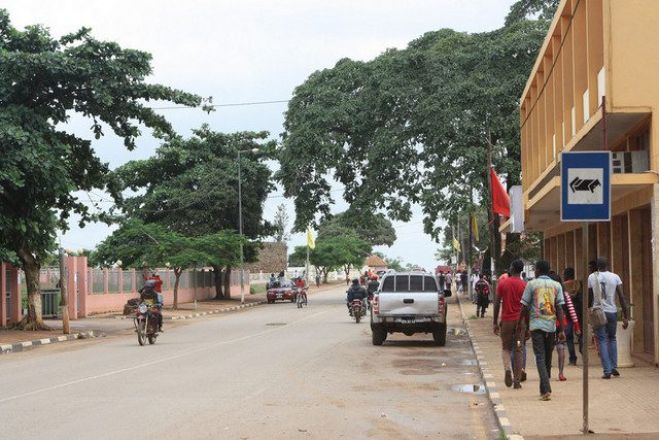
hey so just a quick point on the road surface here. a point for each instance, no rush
(272, 372)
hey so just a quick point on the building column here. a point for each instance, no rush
(655, 267)
(83, 286)
(71, 297)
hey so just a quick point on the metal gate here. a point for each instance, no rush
(50, 302)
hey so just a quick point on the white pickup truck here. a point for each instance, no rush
(409, 302)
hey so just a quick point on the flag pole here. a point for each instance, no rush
(306, 281)
(493, 226)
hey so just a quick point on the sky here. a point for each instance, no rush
(250, 51)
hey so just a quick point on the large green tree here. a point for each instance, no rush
(190, 186)
(43, 81)
(413, 125)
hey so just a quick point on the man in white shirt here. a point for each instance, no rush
(610, 287)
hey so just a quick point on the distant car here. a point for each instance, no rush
(281, 294)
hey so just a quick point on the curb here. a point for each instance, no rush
(213, 312)
(199, 314)
(490, 385)
(28, 345)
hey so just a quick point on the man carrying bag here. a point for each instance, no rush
(603, 287)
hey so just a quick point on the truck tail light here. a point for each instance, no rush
(442, 303)
(376, 305)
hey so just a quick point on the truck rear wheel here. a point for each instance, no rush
(379, 335)
(439, 335)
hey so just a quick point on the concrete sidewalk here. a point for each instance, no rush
(625, 405)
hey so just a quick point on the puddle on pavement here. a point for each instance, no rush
(475, 388)
(469, 362)
(276, 323)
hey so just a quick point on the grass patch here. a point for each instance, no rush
(473, 317)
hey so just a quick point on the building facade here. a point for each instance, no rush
(597, 70)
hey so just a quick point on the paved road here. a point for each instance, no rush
(273, 372)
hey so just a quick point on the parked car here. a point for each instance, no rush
(281, 294)
(409, 303)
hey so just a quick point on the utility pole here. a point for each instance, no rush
(63, 281)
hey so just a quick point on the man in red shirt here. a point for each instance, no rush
(509, 291)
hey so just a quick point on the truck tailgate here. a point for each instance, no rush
(413, 303)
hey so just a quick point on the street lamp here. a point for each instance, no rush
(240, 226)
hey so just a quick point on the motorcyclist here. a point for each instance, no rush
(372, 287)
(355, 292)
(148, 295)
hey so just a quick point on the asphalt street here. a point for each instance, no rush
(271, 372)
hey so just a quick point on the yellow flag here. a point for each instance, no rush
(474, 228)
(310, 240)
(456, 244)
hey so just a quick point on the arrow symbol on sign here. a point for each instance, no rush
(578, 184)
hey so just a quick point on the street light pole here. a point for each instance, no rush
(240, 225)
(240, 231)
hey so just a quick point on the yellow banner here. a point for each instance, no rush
(310, 240)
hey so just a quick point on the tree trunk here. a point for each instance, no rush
(227, 282)
(217, 276)
(325, 274)
(177, 273)
(34, 319)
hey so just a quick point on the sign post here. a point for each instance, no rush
(585, 197)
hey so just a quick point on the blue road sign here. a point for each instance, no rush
(586, 186)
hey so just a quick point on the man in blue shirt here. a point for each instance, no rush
(542, 309)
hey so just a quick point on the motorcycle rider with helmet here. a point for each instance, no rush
(356, 291)
(148, 295)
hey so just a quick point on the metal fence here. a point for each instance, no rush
(50, 302)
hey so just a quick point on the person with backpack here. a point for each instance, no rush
(482, 288)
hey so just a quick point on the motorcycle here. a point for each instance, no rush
(146, 323)
(358, 309)
(301, 297)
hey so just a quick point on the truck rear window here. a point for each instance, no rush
(409, 283)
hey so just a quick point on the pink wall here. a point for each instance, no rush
(114, 302)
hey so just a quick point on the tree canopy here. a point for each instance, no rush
(412, 125)
(43, 80)
(191, 185)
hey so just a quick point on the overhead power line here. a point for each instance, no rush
(230, 104)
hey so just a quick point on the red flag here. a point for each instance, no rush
(500, 199)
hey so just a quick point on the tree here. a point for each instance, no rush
(375, 229)
(42, 82)
(395, 264)
(138, 245)
(191, 186)
(280, 224)
(412, 125)
(344, 251)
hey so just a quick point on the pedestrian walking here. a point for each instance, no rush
(603, 287)
(463, 283)
(568, 311)
(573, 289)
(482, 288)
(442, 282)
(542, 302)
(509, 291)
(317, 279)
